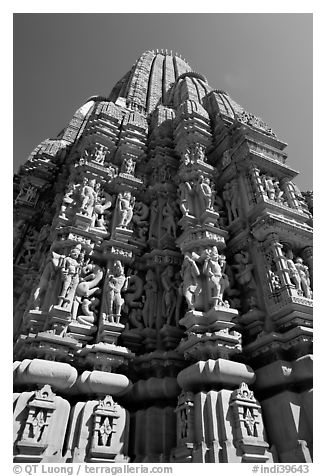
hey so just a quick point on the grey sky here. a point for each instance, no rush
(264, 61)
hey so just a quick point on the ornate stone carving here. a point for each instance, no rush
(191, 286)
(69, 269)
(243, 270)
(303, 272)
(128, 166)
(272, 188)
(88, 196)
(115, 283)
(99, 155)
(133, 301)
(169, 299)
(204, 193)
(169, 218)
(151, 297)
(231, 199)
(140, 220)
(124, 209)
(217, 280)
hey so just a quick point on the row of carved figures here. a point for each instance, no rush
(74, 282)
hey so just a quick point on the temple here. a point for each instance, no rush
(162, 282)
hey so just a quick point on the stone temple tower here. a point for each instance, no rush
(162, 282)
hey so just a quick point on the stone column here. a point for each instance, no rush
(289, 191)
(279, 259)
(256, 179)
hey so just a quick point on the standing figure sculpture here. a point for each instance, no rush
(217, 280)
(124, 209)
(235, 199)
(169, 299)
(204, 194)
(190, 279)
(115, 284)
(70, 270)
(168, 222)
(303, 272)
(150, 304)
(293, 272)
(88, 195)
(184, 192)
(153, 221)
(232, 200)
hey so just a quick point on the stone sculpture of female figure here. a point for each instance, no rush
(150, 305)
(204, 193)
(190, 279)
(169, 294)
(184, 191)
(293, 272)
(213, 270)
(169, 220)
(125, 205)
(115, 283)
(303, 272)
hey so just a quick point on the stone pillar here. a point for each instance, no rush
(239, 438)
(257, 182)
(290, 194)
(279, 259)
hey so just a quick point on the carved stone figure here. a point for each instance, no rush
(200, 152)
(204, 193)
(184, 191)
(235, 199)
(278, 192)
(90, 276)
(187, 157)
(124, 209)
(231, 199)
(28, 249)
(153, 223)
(217, 280)
(272, 188)
(169, 299)
(168, 222)
(99, 155)
(243, 270)
(190, 279)
(150, 304)
(132, 298)
(274, 280)
(140, 220)
(112, 301)
(104, 201)
(88, 195)
(128, 166)
(268, 184)
(303, 272)
(179, 297)
(67, 199)
(70, 270)
(293, 272)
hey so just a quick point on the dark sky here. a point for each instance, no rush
(264, 61)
